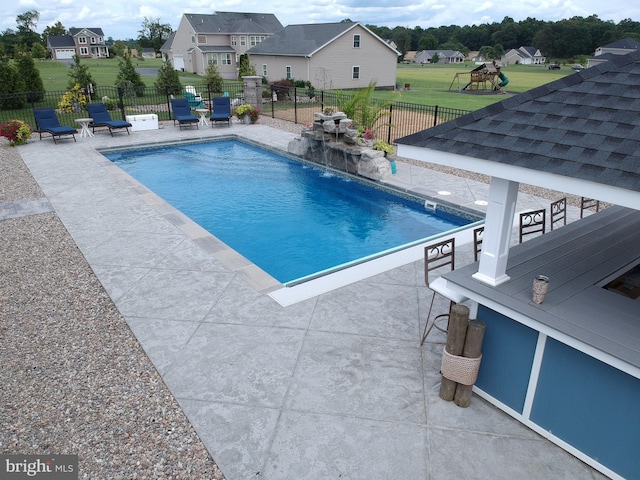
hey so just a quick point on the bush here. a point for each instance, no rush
(73, 101)
(16, 131)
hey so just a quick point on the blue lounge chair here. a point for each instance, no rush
(100, 117)
(221, 110)
(47, 122)
(182, 113)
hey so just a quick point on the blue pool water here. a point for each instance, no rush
(291, 219)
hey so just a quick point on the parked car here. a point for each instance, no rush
(577, 67)
(553, 66)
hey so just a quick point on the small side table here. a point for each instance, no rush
(84, 123)
(203, 115)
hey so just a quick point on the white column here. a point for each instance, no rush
(503, 195)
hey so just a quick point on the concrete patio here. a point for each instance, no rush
(333, 386)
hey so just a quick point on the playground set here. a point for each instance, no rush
(479, 77)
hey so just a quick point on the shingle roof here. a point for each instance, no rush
(74, 31)
(626, 43)
(234, 22)
(585, 126)
(61, 41)
(302, 39)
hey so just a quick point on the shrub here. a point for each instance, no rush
(16, 131)
(73, 101)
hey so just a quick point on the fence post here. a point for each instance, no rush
(389, 126)
(121, 101)
(435, 116)
(273, 107)
(295, 105)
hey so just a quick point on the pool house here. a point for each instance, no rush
(569, 368)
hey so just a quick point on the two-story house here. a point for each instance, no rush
(607, 52)
(84, 42)
(523, 56)
(328, 55)
(218, 38)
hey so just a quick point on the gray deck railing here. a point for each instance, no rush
(289, 103)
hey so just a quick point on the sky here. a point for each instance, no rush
(122, 19)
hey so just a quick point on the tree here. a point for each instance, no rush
(244, 68)
(27, 21)
(427, 42)
(213, 78)
(38, 51)
(434, 59)
(56, 29)
(153, 34)
(79, 73)
(11, 82)
(31, 75)
(168, 80)
(128, 79)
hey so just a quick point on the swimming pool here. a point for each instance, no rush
(291, 219)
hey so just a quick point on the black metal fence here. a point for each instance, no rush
(397, 119)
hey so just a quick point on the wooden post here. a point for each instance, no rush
(456, 333)
(472, 349)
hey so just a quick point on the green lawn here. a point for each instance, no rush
(429, 84)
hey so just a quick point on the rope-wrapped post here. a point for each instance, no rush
(456, 333)
(472, 351)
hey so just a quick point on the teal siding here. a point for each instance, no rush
(590, 405)
(507, 356)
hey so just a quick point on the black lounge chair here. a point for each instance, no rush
(100, 117)
(182, 113)
(221, 110)
(47, 122)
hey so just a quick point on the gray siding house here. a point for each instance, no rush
(84, 42)
(568, 368)
(218, 38)
(329, 55)
(619, 47)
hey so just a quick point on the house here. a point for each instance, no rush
(329, 55)
(619, 47)
(219, 38)
(148, 52)
(523, 56)
(84, 42)
(568, 368)
(444, 56)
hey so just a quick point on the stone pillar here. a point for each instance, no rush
(253, 91)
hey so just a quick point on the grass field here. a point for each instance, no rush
(429, 84)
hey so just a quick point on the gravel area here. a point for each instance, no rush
(74, 379)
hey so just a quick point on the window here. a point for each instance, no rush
(288, 76)
(256, 40)
(243, 40)
(93, 40)
(356, 73)
(212, 59)
(193, 39)
(356, 40)
(202, 39)
(264, 70)
(226, 58)
(82, 40)
(234, 40)
(84, 51)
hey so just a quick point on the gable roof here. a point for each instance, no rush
(627, 43)
(97, 31)
(306, 39)
(234, 22)
(585, 126)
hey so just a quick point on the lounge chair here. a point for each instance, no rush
(182, 113)
(100, 117)
(47, 122)
(194, 101)
(221, 110)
